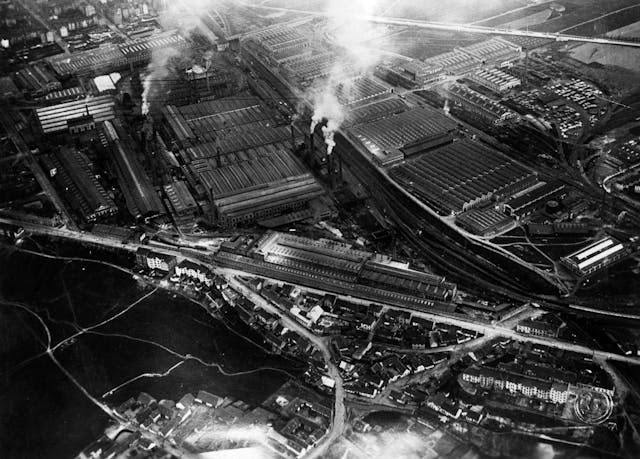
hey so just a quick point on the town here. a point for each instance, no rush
(428, 219)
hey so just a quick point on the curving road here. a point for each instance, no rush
(339, 412)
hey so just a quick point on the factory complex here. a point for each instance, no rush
(238, 156)
(339, 268)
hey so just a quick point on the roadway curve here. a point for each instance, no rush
(339, 413)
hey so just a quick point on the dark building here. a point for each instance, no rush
(73, 173)
(140, 195)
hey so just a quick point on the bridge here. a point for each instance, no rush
(456, 27)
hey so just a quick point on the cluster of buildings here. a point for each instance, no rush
(238, 158)
(495, 52)
(531, 381)
(477, 104)
(37, 80)
(403, 329)
(19, 27)
(76, 116)
(547, 326)
(462, 175)
(495, 80)
(114, 57)
(337, 267)
(73, 172)
(525, 203)
(288, 423)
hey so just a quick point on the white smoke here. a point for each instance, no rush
(185, 17)
(157, 70)
(347, 32)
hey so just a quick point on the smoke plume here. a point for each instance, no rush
(347, 32)
(185, 17)
(157, 70)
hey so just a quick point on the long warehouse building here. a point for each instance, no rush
(340, 268)
(140, 195)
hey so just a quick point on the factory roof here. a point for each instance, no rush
(180, 198)
(270, 195)
(164, 40)
(584, 259)
(230, 174)
(386, 135)
(54, 118)
(36, 78)
(456, 176)
(141, 197)
(87, 61)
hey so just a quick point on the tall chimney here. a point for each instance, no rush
(293, 138)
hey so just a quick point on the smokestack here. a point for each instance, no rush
(293, 138)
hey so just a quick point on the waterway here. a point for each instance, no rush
(44, 415)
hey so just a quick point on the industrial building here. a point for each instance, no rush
(181, 203)
(479, 105)
(138, 52)
(256, 184)
(385, 137)
(595, 257)
(306, 69)
(486, 222)
(420, 72)
(359, 91)
(73, 173)
(96, 61)
(37, 80)
(493, 52)
(339, 268)
(62, 95)
(282, 42)
(140, 195)
(461, 176)
(454, 62)
(530, 200)
(239, 158)
(231, 123)
(461, 61)
(496, 80)
(375, 111)
(88, 111)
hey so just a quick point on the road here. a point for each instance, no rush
(339, 413)
(453, 27)
(495, 329)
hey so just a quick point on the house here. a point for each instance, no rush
(194, 271)
(155, 260)
(185, 402)
(208, 399)
(367, 323)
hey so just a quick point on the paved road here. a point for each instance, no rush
(339, 413)
(496, 330)
(453, 27)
